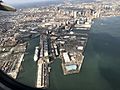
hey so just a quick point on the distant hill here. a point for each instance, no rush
(82, 1)
(36, 4)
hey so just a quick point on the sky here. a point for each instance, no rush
(22, 1)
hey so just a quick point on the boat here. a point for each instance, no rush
(49, 69)
(83, 26)
(36, 55)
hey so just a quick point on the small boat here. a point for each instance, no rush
(36, 55)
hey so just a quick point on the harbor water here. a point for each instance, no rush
(101, 66)
(28, 74)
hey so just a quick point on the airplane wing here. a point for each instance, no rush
(6, 7)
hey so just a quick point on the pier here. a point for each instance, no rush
(42, 74)
(43, 64)
(70, 64)
(12, 65)
(16, 71)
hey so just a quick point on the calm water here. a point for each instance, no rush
(29, 72)
(101, 67)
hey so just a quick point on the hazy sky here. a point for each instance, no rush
(22, 1)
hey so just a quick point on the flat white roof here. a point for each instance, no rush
(80, 47)
(66, 57)
(71, 67)
(39, 76)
